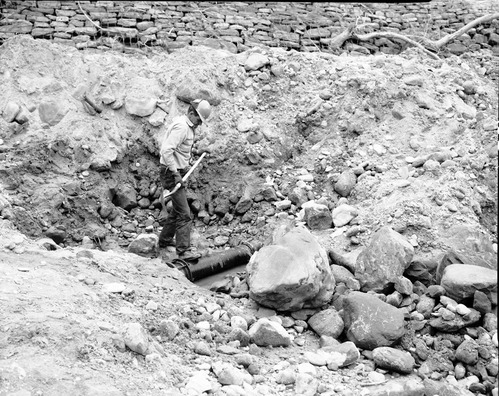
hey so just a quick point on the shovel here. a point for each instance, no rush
(167, 193)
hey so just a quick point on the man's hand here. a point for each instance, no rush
(178, 179)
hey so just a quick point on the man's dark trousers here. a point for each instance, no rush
(179, 220)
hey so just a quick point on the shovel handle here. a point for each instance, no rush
(194, 166)
(178, 185)
(169, 193)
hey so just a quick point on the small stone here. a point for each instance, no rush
(478, 388)
(22, 116)
(199, 383)
(228, 350)
(459, 371)
(316, 359)
(447, 314)
(203, 326)
(113, 287)
(462, 309)
(375, 377)
(10, 111)
(157, 117)
(136, 338)
(202, 348)
(469, 87)
(169, 329)
(286, 377)
(152, 306)
(238, 322)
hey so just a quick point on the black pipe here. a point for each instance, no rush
(215, 263)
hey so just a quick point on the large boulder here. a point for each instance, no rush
(345, 259)
(298, 196)
(104, 155)
(432, 387)
(424, 266)
(343, 275)
(136, 338)
(140, 106)
(145, 245)
(384, 261)
(455, 323)
(327, 322)
(344, 214)
(346, 183)
(461, 281)
(318, 216)
(340, 355)
(10, 111)
(393, 359)
(467, 245)
(265, 332)
(125, 197)
(371, 323)
(292, 273)
(52, 112)
(256, 61)
(191, 87)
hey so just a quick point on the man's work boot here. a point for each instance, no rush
(189, 255)
(169, 244)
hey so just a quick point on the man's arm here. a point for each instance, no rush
(170, 143)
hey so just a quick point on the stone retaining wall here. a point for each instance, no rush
(238, 26)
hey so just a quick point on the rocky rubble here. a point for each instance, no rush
(417, 319)
(230, 346)
(384, 167)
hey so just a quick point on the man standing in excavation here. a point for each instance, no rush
(175, 153)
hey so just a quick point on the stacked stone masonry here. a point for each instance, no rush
(238, 26)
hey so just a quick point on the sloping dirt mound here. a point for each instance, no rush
(313, 112)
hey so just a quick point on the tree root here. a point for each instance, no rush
(426, 45)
